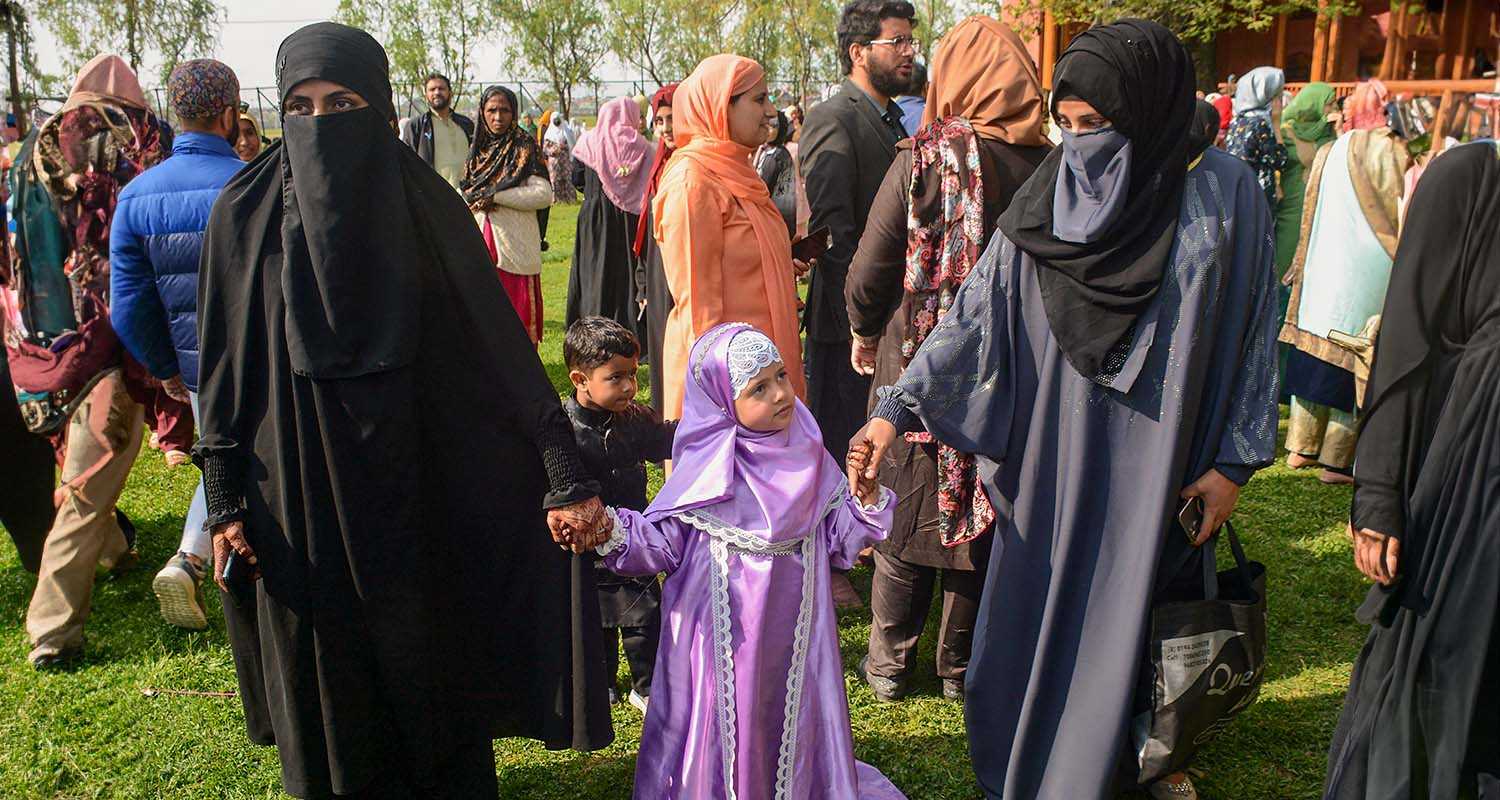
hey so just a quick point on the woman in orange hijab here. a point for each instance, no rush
(724, 246)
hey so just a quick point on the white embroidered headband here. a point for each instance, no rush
(750, 351)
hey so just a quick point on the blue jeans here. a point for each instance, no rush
(195, 539)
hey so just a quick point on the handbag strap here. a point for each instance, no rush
(1211, 567)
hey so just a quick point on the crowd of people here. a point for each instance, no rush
(1040, 325)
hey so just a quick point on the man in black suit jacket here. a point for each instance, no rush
(847, 146)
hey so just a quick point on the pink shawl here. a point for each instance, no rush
(616, 150)
(1365, 108)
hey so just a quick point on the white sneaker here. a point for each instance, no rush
(638, 701)
(176, 588)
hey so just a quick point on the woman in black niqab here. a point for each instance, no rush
(375, 416)
(1420, 717)
(1138, 75)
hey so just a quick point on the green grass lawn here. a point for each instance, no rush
(95, 733)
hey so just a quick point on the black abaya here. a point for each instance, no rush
(651, 283)
(602, 282)
(27, 475)
(1420, 716)
(412, 604)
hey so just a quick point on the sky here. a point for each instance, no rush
(253, 29)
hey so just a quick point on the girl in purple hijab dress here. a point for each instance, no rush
(748, 701)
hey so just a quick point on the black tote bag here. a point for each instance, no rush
(1207, 663)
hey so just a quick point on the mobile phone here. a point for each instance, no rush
(239, 576)
(1191, 517)
(809, 247)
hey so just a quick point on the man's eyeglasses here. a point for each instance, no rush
(911, 43)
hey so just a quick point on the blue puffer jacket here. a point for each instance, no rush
(154, 243)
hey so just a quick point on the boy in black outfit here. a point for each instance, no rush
(616, 436)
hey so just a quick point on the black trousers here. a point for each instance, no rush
(640, 643)
(27, 477)
(837, 396)
(900, 597)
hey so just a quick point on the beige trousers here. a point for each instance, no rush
(104, 437)
(1322, 433)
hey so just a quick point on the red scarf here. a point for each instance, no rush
(663, 97)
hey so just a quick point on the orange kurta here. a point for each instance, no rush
(713, 266)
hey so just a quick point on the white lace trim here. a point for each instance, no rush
(738, 538)
(616, 534)
(721, 538)
(724, 707)
(886, 495)
(787, 756)
(750, 351)
(705, 346)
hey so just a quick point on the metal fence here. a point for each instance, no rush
(535, 96)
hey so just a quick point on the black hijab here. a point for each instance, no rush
(500, 161)
(349, 246)
(1205, 128)
(1137, 74)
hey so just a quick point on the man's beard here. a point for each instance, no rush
(887, 80)
(439, 104)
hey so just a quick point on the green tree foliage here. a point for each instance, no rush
(423, 36)
(638, 34)
(1193, 20)
(934, 18)
(561, 42)
(158, 32)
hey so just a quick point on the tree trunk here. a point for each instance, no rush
(132, 34)
(1204, 54)
(12, 33)
(564, 98)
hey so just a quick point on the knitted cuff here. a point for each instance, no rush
(892, 408)
(570, 482)
(222, 491)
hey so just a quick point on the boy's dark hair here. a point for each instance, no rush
(592, 341)
(437, 76)
(918, 87)
(861, 20)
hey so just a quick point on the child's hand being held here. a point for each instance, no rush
(866, 489)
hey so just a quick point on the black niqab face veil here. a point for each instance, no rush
(1137, 74)
(349, 271)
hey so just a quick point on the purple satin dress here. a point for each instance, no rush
(748, 697)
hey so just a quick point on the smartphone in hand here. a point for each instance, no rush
(810, 247)
(239, 576)
(1190, 517)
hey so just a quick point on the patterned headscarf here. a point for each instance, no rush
(203, 88)
(1365, 108)
(499, 161)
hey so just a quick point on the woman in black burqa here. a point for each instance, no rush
(1420, 717)
(378, 432)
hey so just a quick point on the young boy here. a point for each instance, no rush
(616, 436)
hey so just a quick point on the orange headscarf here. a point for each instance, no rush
(542, 125)
(701, 131)
(106, 79)
(982, 72)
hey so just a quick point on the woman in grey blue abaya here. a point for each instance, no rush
(1111, 353)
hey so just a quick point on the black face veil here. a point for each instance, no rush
(1136, 73)
(350, 260)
